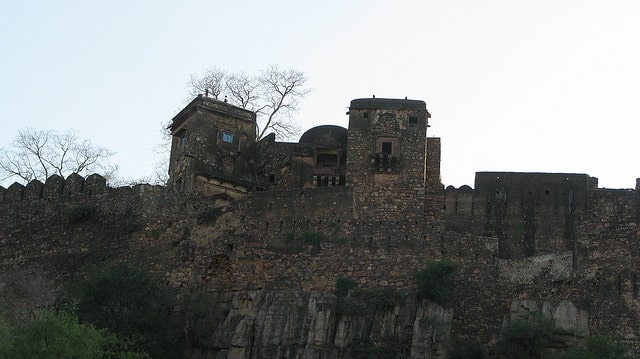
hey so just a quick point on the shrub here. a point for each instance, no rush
(56, 335)
(527, 337)
(344, 285)
(311, 238)
(434, 281)
(6, 339)
(599, 347)
(60, 334)
(368, 301)
(470, 351)
(129, 303)
(306, 238)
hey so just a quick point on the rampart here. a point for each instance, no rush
(538, 237)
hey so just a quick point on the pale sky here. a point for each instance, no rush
(544, 86)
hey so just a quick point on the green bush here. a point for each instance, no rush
(129, 303)
(306, 238)
(59, 334)
(6, 339)
(56, 335)
(599, 347)
(434, 281)
(344, 285)
(367, 301)
(527, 337)
(470, 351)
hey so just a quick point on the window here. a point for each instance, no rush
(413, 120)
(182, 136)
(385, 158)
(227, 137)
(387, 147)
(366, 115)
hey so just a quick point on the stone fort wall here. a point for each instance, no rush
(512, 245)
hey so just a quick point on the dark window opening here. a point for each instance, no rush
(182, 136)
(546, 191)
(272, 177)
(413, 121)
(387, 147)
(365, 115)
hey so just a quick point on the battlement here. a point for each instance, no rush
(283, 216)
(55, 188)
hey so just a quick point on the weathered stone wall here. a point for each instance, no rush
(301, 241)
(199, 146)
(386, 161)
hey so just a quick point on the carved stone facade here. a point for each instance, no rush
(382, 154)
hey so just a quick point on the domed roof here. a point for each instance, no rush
(325, 136)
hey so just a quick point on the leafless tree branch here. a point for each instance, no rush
(273, 95)
(37, 154)
(211, 83)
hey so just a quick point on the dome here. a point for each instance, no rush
(325, 136)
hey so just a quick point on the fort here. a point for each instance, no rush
(268, 227)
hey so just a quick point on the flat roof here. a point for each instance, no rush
(388, 103)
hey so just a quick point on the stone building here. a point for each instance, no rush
(211, 149)
(383, 154)
(268, 228)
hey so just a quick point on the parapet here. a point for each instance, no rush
(33, 190)
(459, 201)
(388, 104)
(14, 193)
(54, 189)
(534, 187)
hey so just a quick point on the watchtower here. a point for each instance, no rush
(386, 165)
(211, 148)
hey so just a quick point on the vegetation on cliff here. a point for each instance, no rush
(532, 336)
(129, 303)
(434, 281)
(60, 334)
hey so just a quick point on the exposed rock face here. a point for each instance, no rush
(571, 323)
(262, 324)
(557, 265)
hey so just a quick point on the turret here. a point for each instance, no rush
(386, 165)
(211, 141)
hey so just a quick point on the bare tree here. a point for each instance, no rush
(282, 89)
(163, 153)
(273, 95)
(245, 91)
(38, 154)
(211, 83)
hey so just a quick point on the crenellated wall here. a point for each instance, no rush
(548, 238)
(55, 188)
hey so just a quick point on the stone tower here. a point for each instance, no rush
(386, 165)
(212, 148)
